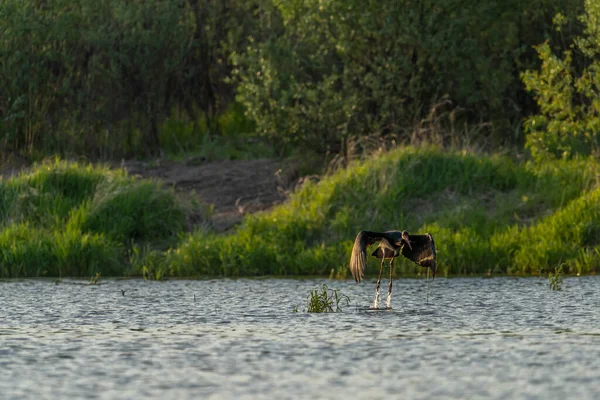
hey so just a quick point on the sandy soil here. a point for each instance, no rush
(234, 188)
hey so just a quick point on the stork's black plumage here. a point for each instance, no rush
(417, 248)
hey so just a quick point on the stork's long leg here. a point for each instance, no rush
(380, 273)
(376, 300)
(388, 302)
(427, 296)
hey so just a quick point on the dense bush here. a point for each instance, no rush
(567, 93)
(343, 68)
(100, 78)
(114, 78)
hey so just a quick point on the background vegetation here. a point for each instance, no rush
(119, 79)
(125, 79)
(488, 215)
(66, 219)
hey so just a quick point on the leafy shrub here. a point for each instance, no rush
(567, 94)
(100, 78)
(334, 69)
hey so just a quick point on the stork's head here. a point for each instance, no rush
(406, 239)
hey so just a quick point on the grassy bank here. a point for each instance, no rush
(68, 219)
(488, 214)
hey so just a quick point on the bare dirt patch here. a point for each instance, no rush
(233, 188)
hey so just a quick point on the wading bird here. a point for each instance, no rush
(417, 248)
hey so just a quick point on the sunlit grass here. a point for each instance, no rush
(136, 210)
(47, 194)
(148, 262)
(488, 214)
(325, 300)
(69, 219)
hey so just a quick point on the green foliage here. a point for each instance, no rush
(138, 210)
(100, 78)
(234, 140)
(560, 237)
(334, 69)
(69, 219)
(218, 148)
(567, 95)
(80, 254)
(25, 252)
(323, 300)
(49, 192)
(487, 215)
(121, 79)
(555, 280)
(147, 262)
(31, 252)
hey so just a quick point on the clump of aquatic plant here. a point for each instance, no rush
(95, 279)
(555, 279)
(324, 299)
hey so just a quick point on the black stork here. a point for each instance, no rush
(417, 248)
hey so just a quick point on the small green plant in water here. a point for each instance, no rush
(322, 300)
(95, 279)
(555, 279)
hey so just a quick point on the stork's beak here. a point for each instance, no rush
(407, 240)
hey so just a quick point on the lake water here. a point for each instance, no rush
(499, 338)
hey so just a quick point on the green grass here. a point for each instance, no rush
(69, 219)
(324, 299)
(555, 279)
(133, 210)
(488, 214)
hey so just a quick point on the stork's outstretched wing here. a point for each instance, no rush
(422, 252)
(358, 259)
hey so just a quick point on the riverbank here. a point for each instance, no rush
(489, 215)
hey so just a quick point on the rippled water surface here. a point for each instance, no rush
(477, 338)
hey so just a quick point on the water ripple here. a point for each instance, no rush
(477, 338)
